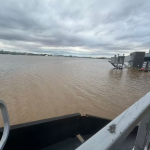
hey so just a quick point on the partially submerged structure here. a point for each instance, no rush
(117, 62)
(139, 60)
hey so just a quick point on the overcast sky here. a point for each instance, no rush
(75, 27)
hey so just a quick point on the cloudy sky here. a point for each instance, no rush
(75, 27)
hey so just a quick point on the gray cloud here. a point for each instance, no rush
(81, 27)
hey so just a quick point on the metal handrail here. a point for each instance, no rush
(113, 134)
(6, 124)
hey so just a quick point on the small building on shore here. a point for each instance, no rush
(135, 59)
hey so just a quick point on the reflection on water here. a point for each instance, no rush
(42, 87)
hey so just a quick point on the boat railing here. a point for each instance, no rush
(6, 124)
(113, 134)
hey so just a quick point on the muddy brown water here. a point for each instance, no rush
(36, 87)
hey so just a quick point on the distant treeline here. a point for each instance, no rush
(22, 53)
(33, 54)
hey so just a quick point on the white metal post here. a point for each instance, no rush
(143, 135)
(6, 124)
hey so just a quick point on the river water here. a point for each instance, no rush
(36, 87)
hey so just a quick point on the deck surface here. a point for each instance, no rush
(73, 143)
